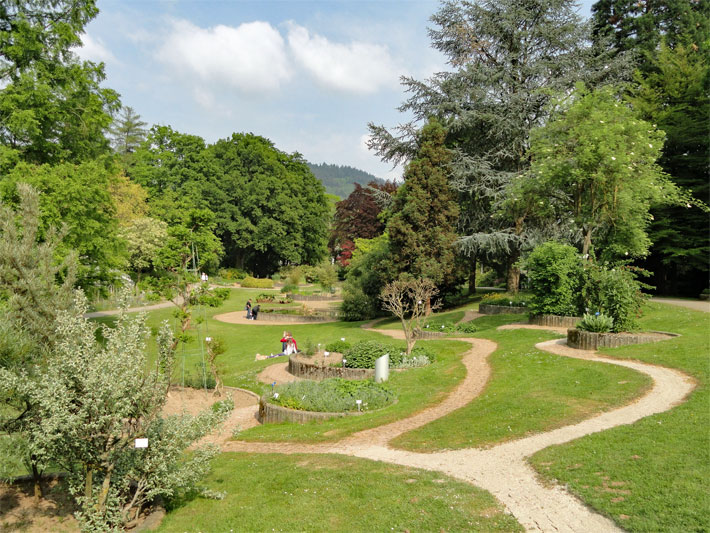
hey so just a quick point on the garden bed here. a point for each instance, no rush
(555, 321)
(314, 297)
(283, 318)
(273, 414)
(318, 367)
(489, 309)
(587, 340)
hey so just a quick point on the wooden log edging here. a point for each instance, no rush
(587, 340)
(270, 413)
(488, 309)
(555, 321)
(306, 370)
(429, 334)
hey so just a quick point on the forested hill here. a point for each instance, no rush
(340, 179)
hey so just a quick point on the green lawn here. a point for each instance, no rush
(333, 493)
(652, 475)
(530, 391)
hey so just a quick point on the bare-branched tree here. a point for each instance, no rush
(410, 300)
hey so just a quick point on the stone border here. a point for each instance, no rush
(587, 340)
(555, 321)
(313, 297)
(302, 369)
(488, 309)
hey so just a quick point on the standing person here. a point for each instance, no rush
(248, 309)
(255, 312)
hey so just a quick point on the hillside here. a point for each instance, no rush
(340, 179)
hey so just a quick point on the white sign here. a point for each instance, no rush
(141, 443)
(326, 354)
(276, 395)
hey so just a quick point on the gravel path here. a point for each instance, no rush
(503, 469)
(698, 305)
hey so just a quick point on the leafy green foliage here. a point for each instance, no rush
(554, 278)
(337, 346)
(595, 161)
(333, 395)
(596, 323)
(364, 353)
(367, 274)
(614, 292)
(256, 283)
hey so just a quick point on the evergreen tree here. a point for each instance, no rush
(673, 94)
(422, 226)
(128, 131)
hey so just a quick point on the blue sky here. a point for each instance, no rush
(309, 75)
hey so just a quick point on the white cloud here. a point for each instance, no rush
(94, 50)
(357, 67)
(251, 57)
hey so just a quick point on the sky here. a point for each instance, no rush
(308, 75)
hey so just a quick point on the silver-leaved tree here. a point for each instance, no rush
(94, 399)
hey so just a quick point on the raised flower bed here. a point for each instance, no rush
(588, 340)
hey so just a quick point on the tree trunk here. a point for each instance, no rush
(89, 483)
(37, 481)
(105, 486)
(472, 275)
(513, 280)
(587, 243)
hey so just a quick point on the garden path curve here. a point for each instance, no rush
(503, 469)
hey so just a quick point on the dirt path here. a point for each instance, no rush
(503, 470)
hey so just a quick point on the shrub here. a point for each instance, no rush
(257, 283)
(596, 323)
(289, 288)
(505, 298)
(490, 278)
(357, 306)
(337, 346)
(201, 378)
(232, 273)
(614, 292)
(554, 272)
(420, 356)
(467, 327)
(333, 395)
(309, 348)
(364, 353)
(265, 297)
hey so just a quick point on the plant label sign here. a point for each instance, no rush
(141, 443)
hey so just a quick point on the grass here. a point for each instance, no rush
(332, 493)
(530, 391)
(652, 475)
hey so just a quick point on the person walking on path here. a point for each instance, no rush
(249, 311)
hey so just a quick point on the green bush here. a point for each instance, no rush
(232, 274)
(333, 395)
(505, 298)
(289, 288)
(615, 292)
(467, 327)
(554, 278)
(420, 356)
(364, 353)
(357, 306)
(257, 283)
(596, 323)
(265, 297)
(490, 278)
(337, 346)
(200, 379)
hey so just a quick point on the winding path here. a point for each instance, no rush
(503, 469)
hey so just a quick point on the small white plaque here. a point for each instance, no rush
(276, 395)
(326, 354)
(141, 443)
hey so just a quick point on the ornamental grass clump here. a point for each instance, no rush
(333, 395)
(338, 346)
(596, 323)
